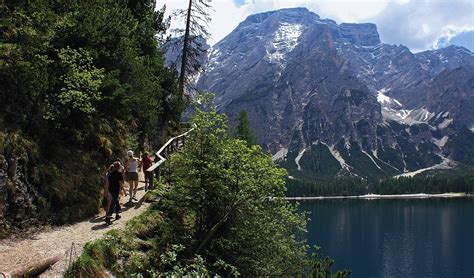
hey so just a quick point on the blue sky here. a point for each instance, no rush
(418, 24)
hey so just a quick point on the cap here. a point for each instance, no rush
(130, 153)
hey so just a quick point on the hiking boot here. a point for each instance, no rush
(117, 217)
(108, 221)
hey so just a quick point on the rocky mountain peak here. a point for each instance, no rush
(364, 34)
(287, 14)
(319, 91)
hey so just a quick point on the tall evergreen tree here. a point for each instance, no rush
(243, 130)
(197, 19)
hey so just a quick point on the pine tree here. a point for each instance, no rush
(197, 19)
(243, 130)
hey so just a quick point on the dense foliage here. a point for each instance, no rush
(82, 81)
(243, 130)
(223, 213)
(234, 194)
(403, 185)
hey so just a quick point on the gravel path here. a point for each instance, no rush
(61, 240)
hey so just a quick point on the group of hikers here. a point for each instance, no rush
(117, 174)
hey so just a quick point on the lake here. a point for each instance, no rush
(395, 238)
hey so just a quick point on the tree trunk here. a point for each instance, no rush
(213, 230)
(184, 57)
(36, 268)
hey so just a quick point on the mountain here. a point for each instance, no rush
(331, 99)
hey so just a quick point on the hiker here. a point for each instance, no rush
(115, 183)
(132, 174)
(146, 163)
(122, 171)
(106, 202)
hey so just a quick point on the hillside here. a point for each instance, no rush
(80, 85)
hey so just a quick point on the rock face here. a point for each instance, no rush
(329, 99)
(17, 194)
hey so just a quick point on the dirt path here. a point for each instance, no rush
(60, 241)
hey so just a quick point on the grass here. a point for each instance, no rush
(123, 252)
(95, 258)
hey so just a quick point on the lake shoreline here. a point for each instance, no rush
(381, 197)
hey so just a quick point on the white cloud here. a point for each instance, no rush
(225, 16)
(350, 10)
(402, 2)
(450, 32)
(414, 23)
(420, 24)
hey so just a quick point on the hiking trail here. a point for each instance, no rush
(66, 241)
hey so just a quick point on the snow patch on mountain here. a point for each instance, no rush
(214, 56)
(445, 123)
(422, 115)
(284, 41)
(280, 154)
(297, 159)
(335, 153)
(440, 142)
(409, 117)
(375, 154)
(371, 158)
(385, 100)
(445, 164)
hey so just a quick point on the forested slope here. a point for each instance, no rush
(79, 83)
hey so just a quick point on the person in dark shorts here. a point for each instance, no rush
(146, 163)
(115, 184)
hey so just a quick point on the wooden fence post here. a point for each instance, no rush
(158, 173)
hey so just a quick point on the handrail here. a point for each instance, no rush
(165, 146)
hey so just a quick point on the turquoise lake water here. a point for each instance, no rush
(395, 238)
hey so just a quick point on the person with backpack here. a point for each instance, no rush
(115, 179)
(107, 198)
(122, 171)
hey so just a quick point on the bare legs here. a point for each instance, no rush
(133, 188)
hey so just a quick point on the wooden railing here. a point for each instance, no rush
(165, 152)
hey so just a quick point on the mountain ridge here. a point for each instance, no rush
(312, 86)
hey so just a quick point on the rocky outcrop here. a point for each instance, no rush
(17, 193)
(3, 193)
(360, 34)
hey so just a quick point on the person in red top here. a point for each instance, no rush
(146, 163)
